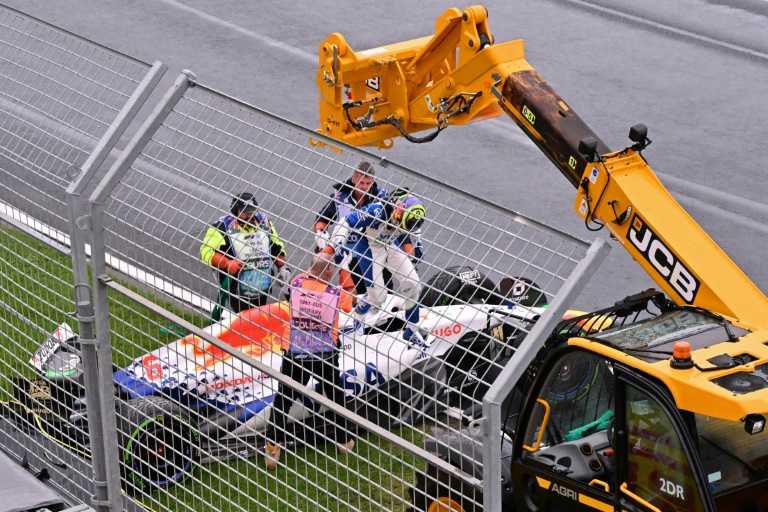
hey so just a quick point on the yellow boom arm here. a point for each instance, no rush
(372, 96)
(620, 192)
(458, 76)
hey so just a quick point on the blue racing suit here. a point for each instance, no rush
(340, 206)
(381, 248)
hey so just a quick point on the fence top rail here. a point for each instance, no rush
(385, 163)
(66, 33)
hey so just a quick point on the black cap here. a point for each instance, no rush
(245, 202)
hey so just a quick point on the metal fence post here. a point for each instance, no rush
(85, 319)
(98, 264)
(104, 359)
(491, 422)
(106, 475)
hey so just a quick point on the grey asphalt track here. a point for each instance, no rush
(693, 71)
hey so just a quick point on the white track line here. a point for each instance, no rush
(131, 271)
(668, 28)
(734, 218)
(297, 52)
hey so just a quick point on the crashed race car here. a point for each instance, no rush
(190, 397)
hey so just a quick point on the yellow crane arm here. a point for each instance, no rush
(619, 191)
(372, 96)
(459, 75)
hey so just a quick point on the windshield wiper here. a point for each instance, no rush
(711, 314)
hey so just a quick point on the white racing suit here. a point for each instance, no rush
(378, 249)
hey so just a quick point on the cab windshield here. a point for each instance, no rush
(731, 457)
(700, 329)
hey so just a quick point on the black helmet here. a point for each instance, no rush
(392, 199)
(245, 202)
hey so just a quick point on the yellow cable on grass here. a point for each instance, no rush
(46, 434)
(62, 443)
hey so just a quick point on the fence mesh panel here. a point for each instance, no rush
(485, 275)
(195, 404)
(58, 96)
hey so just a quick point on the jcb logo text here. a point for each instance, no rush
(663, 260)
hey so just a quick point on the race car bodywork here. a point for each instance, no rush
(202, 376)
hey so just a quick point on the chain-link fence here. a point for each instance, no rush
(216, 205)
(238, 368)
(64, 102)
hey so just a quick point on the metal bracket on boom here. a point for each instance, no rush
(620, 218)
(372, 96)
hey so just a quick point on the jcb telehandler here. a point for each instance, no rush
(662, 406)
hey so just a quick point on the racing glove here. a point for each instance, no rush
(228, 265)
(338, 241)
(321, 239)
(339, 237)
(284, 274)
(343, 257)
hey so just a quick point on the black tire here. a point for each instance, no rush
(437, 491)
(456, 284)
(159, 446)
(467, 361)
(471, 365)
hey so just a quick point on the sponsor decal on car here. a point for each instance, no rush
(471, 277)
(152, 367)
(240, 381)
(39, 390)
(351, 381)
(49, 347)
(449, 330)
